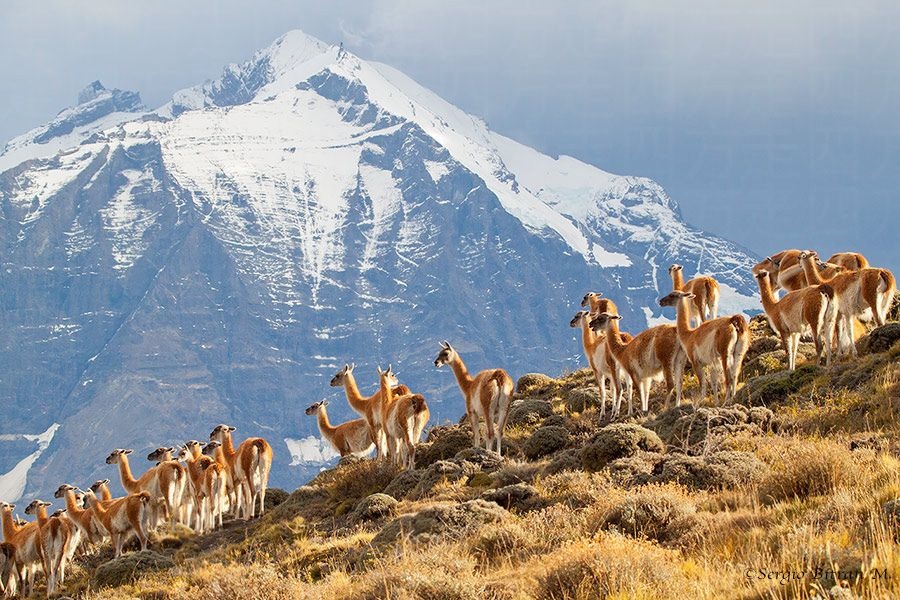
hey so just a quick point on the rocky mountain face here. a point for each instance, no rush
(219, 258)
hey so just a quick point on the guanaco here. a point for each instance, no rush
(404, 420)
(487, 395)
(811, 308)
(353, 437)
(705, 304)
(249, 464)
(857, 293)
(644, 358)
(165, 483)
(369, 408)
(54, 539)
(722, 341)
(600, 360)
(124, 517)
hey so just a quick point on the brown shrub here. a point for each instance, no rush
(663, 514)
(804, 468)
(617, 441)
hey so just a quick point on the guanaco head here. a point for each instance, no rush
(599, 322)
(115, 455)
(674, 268)
(19, 521)
(389, 377)
(761, 275)
(220, 431)
(339, 377)
(58, 513)
(446, 355)
(588, 297)
(7, 506)
(673, 298)
(35, 506)
(98, 485)
(314, 408)
(210, 448)
(809, 254)
(576, 320)
(62, 490)
(161, 454)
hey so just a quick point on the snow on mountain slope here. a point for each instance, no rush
(230, 250)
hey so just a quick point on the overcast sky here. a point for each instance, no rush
(775, 124)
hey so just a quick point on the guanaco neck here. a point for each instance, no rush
(220, 456)
(322, 419)
(95, 504)
(462, 374)
(71, 506)
(677, 280)
(41, 516)
(357, 401)
(128, 481)
(810, 270)
(105, 494)
(9, 526)
(613, 339)
(227, 446)
(195, 452)
(765, 293)
(387, 394)
(588, 337)
(682, 322)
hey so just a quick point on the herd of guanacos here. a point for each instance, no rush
(197, 484)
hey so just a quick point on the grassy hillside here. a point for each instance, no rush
(765, 498)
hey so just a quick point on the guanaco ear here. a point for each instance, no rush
(325, 403)
(378, 368)
(46, 503)
(232, 429)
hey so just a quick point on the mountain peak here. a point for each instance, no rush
(90, 92)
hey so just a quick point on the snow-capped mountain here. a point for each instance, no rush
(217, 259)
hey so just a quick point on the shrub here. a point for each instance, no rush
(545, 440)
(128, 567)
(657, 513)
(441, 522)
(375, 506)
(617, 441)
(580, 399)
(726, 469)
(516, 495)
(498, 542)
(443, 442)
(531, 383)
(775, 388)
(403, 484)
(528, 412)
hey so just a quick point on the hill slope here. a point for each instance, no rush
(745, 501)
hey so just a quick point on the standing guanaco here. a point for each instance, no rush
(353, 437)
(488, 395)
(705, 304)
(722, 341)
(404, 420)
(249, 465)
